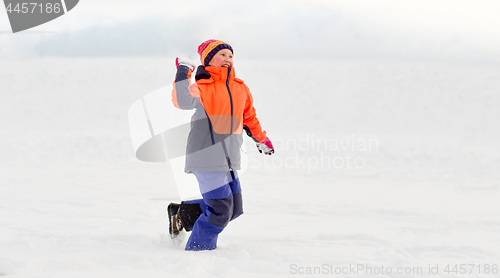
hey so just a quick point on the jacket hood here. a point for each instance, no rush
(216, 73)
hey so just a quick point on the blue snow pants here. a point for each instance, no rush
(221, 203)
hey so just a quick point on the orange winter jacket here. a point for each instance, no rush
(224, 107)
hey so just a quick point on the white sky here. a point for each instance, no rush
(353, 27)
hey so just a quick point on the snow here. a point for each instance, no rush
(75, 202)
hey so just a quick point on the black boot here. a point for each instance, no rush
(175, 224)
(189, 213)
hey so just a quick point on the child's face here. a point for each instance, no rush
(223, 58)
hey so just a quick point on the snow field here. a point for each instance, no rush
(75, 202)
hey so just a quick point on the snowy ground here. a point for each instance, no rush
(75, 202)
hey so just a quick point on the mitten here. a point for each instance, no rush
(266, 147)
(185, 62)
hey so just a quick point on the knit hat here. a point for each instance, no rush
(208, 49)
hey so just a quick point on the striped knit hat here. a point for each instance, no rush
(208, 49)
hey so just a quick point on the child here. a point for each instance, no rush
(224, 108)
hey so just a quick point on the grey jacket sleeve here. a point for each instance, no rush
(184, 96)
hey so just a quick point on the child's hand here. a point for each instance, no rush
(266, 147)
(185, 62)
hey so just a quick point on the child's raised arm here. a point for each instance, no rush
(184, 95)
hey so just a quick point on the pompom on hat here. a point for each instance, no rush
(208, 49)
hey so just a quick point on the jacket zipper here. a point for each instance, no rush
(230, 97)
(210, 128)
(231, 128)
